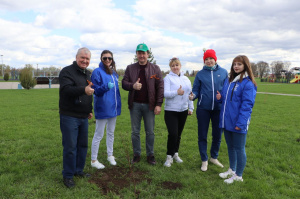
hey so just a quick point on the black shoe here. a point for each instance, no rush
(82, 175)
(136, 158)
(151, 159)
(69, 182)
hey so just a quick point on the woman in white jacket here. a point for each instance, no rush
(177, 88)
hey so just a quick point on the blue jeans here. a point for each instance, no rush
(204, 117)
(75, 143)
(139, 111)
(236, 143)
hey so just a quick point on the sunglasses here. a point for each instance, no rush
(174, 58)
(105, 58)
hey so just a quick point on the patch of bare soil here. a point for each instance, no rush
(116, 178)
(171, 185)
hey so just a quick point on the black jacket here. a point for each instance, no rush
(73, 100)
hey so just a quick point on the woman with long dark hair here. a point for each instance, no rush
(107, 106)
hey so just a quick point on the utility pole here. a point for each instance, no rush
(2, 66)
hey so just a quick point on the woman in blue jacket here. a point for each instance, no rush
(207, 82)
(107, 106)
(237, 97)
(177, 107)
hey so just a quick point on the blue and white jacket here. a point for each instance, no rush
(206, 84)
(107, 102)
(173, 101)
(237, 102)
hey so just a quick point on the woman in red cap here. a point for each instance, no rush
(208, 81)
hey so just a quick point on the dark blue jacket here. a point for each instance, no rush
(207, 83)
(237, 102)
(107, 102)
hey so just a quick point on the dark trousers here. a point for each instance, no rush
(204, 117)
(75, 143)
(175, 122)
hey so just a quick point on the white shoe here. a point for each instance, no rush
(97, 165)
(227, 174)
(177, 158)
(204, 166)
(216, 162)
(111, 160)
(169, 161)
(234, 178)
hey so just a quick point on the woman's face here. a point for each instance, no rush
(106, 59)
(175, 68)
(238, 67)
(210, 62)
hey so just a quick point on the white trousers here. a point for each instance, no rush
(99, 133)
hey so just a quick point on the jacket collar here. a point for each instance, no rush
(84, 71)
(207, 68)
(238, 77)
(173, 74)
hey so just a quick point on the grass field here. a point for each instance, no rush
(31, 151)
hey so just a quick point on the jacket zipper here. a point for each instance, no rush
(232, 91)
(200, 100)
(225, 105)
(213, 88)
(115, 94)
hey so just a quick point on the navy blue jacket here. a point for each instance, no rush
(237, 102)
(206, 84)
(107, 102)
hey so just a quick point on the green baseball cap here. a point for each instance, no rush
(142, 47)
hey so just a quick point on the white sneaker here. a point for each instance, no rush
(204, 166)
(234, 178)
(97, 165)
(177, 158)
(216, 162)
(169, 161)
(227, 174)
(111, 160)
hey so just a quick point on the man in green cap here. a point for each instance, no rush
(145, 84)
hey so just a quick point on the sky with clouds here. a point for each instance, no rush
(49, 33)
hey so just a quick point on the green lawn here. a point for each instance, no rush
(31, 151)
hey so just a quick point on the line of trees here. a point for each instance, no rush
(260, 69)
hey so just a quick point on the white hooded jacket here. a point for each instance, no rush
(173, 101)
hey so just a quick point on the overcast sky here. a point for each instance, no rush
(50, 32)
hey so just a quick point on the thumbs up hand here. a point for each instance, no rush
(180, 91)
(218, 96)
(88, 89)
(137, 85)
(191, 96)
(110, 85)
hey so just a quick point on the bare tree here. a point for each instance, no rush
(277, 67)
(121, 72)
(287, 65)
(262, 68)
(254, 69)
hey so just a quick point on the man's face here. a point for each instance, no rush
(142, 57)
(83, 59)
